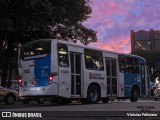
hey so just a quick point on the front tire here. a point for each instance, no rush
(93, 94)
(134, 95)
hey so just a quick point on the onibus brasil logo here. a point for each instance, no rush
(17, 114)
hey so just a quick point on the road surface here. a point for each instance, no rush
(146, 108)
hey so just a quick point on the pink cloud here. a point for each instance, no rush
(113, 20)
(117, 46)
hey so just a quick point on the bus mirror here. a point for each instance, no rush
(20, 71)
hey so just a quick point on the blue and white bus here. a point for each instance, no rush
(59, 71)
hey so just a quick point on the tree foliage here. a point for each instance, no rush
(22, 21)
(69, 15)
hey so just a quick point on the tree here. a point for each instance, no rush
(23, 21)
(69, 15)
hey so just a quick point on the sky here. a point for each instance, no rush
(114, 19)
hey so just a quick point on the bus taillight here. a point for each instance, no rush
(50, 78)
(20, 80)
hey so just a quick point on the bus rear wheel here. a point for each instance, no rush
(134, 95)
(93, 94)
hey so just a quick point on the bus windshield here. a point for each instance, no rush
(35, 50)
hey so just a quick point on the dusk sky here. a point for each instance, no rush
(113, 20)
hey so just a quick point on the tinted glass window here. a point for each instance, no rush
(35, 50)
(93, 59)
(132, 65)
(108, 66)
(63, 55)
(128, 64)
(113, 63)
(122, 63)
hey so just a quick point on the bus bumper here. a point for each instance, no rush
(38, 91)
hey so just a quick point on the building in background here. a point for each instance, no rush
(145, 40)
(147, 44)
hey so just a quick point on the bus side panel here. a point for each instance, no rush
(129, 80)
(91, 76)
(64, 86)
(27, 72)
(120, 89)
(54, 65)
(54, 58)
(127, 84)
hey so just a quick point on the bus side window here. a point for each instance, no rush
(122, 68)
(93, 60)
(35, 49)
(132, 64)
(63, 55)
(128, 64)
(122, 63)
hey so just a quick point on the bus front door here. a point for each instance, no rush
(75, 59)
(111, 73)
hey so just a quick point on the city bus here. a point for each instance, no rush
(58, 71)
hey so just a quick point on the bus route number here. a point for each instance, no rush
(64, 71)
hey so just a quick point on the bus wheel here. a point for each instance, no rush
(40, 100)
(25, 101)
(105, 100)
(134, 95)
(93, 94)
